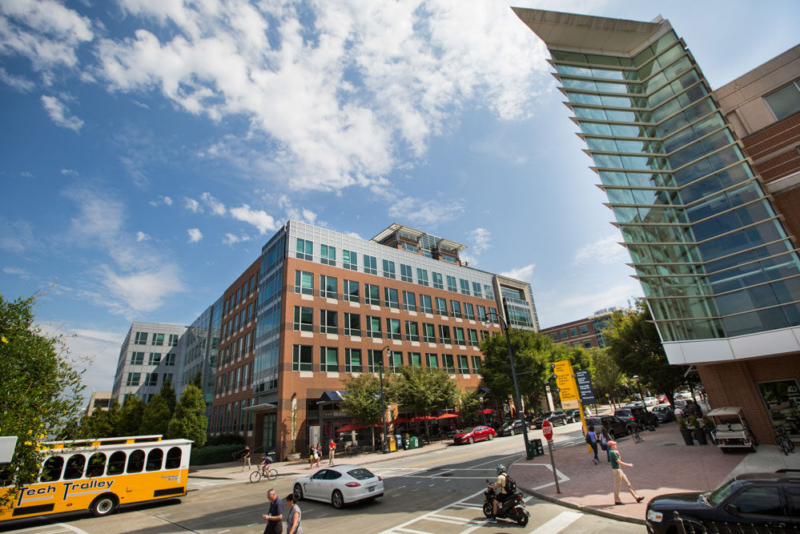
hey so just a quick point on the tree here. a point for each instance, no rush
(607, 375)
(634, 344)
(168, 394)
(101, 424)
(198, 380)
(40, 396)
(156, 416)
(425, 390)
(470, 404)
(130, 416)
(189, 421)
(363, 400)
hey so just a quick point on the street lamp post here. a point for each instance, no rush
(384, 441)
(520, 413)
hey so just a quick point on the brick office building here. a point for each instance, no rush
(586, 333)
(702, 186)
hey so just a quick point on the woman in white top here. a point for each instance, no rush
(293, 516)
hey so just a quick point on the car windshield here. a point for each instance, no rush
(594, 421)
(471, 430)
(623, 412)
(721, 493)
(361, 474)
(545, 415)
(508, 424)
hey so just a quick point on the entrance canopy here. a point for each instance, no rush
(260, 408)
(329, 397)
(725, 411)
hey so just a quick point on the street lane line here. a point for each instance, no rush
(413, 531)
(463, 455)
(558, 523)
(424, 516)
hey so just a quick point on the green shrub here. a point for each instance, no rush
(682, 423)
(214, 454)
(226, 439)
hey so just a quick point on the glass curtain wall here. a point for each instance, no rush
(711, 253)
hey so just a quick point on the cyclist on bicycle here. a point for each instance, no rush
(265, 463)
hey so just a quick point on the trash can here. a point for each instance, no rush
(535, 448)
(414, 443)
(392, 444)
(399, 439)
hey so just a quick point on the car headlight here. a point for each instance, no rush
(655, 517)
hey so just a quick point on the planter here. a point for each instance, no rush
(687, 436)
(293, 457)
(700, 436)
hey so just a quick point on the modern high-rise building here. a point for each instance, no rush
(718, 268)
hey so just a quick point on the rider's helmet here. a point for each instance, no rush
(501, 468)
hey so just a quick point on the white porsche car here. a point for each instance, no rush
(339, 485)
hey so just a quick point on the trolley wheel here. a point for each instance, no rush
(104, 505)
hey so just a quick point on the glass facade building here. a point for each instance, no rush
(709, 249)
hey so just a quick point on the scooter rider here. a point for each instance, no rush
(500, 491)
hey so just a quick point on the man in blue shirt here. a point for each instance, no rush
(275, 514)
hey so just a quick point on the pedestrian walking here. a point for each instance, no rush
(246, 458)
(604, 439)
(619, 475)
(331, 451)
(318, 453)
(312, 453)
(591, 439)
(293, 516)
(275, 514)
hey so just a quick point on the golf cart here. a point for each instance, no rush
(732, 432)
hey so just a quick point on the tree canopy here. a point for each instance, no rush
(363, 401)
(156, 416)
(190, 421)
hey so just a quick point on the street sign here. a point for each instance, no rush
(547, 430)
(567, 388)
(585, 387)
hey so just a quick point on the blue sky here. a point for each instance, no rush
(150, 147)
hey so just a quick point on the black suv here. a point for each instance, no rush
(638, 416)
(758, 499)
(511, 428)
(555, 418)
(615, 426)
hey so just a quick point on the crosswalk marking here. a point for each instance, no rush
(558, 523)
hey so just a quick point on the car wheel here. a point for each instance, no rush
(337, 500)
(471, 440)
(298, 492)
(104, 505)
(491, 437)
(513, 432)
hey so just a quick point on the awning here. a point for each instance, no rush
(448, 416)
(399, 420)
(350, 426)
(259, 408)
(724, 411)
(420, 418)
(332, 396)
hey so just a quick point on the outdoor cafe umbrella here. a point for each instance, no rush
(448, 416)
(398, 420)
(486, 411)
(348, 427)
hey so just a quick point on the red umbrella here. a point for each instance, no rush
(348, 427)
(448, 416)
(486, 411)
(420, 418)
(398, 420)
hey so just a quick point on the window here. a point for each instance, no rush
(428, 333)
(370, 264)
(75, 466)
(584, 329)
(441, 306)
(395, 360)
(451, 284)
(350, 291)
(437, 281)
(52, 469)
(587, 344)
(352, 324)
(762, 500)
(573, 332)
(303, 282)
(140, 338)
(302, 358)
(409, 301)
(785, 101)
(391, 298)
(414, 359)
(476, 290)
(136, 462)
(405, 273)
(481, 313)
(459, 332)
(328, 287)
(425, 304)
(137, 358)
(116, 463)
(476, 364)
(303, 319)
(393, 329)
(352, 361)
(433, 360)
(422, 276)
(473, 337)
(328, 322)
(489, 292)
(97, 465)
(158, 339)
(469, 311)
(444, 334)
(374, 358)
(412, 331)
(169, 361)
(554, 336)
(564, 334)
(329, 360)
(305, 249)
(133, 379)
(152, 379)
(447, 363)
(388, 269)
(493, 315)
(464, 286)
(463, 365)
(155, 458)
(455, 309)
(408, 247)
(349, 260)
(374, 327)
(327, 255)
(173, 340)
(372, 294)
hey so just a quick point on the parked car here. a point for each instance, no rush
(634, 404)
(756, 499)
(662, 399)
(511, 428)
(478, 433)
(339, 485)
(664, 414)
(556, 418)
(638, 415)
(650, 401)
(573, 416)
(615, 426)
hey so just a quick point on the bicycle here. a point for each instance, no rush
(263, 472)
(637, 436)
(784, 443)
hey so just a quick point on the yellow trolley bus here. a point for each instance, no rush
(100, 475)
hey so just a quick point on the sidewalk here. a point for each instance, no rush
(663, 464)
(233, 470)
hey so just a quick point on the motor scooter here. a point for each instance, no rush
(513, 508)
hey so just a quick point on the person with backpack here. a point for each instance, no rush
(504, 487)
(591, 440)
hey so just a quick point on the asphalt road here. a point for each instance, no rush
(440, 492)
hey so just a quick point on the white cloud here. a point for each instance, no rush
(257, 218)
(100, 216)
(161, 200)
(230, 239)
(141, 236)
(426, 212)
(69, 172)
(194, 235)
(481, 240)
(167, 201)
(16, 236)
(20, 83)
(58, 113)
(521, 273)
(142, 291)
(294, 213)
(192, 205)
(606, 251)
(216, 207)
(22, 273)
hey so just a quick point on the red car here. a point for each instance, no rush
(478, 433)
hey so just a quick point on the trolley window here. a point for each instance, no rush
(136, 462)
(97, 465)
(52, 469)
(155, 459)
(75, 466)
(116, 464)
(174, 458)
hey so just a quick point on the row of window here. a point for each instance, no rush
(231, 417)
(372, 327)
(240, 295)
(305, 251)
(241, 347)
(76, 466)
(352, 292)
(150, 379)
(140, 338)
(137, 358)
(238, 321)
(235, 378)
(369, 361)
(573, 332)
